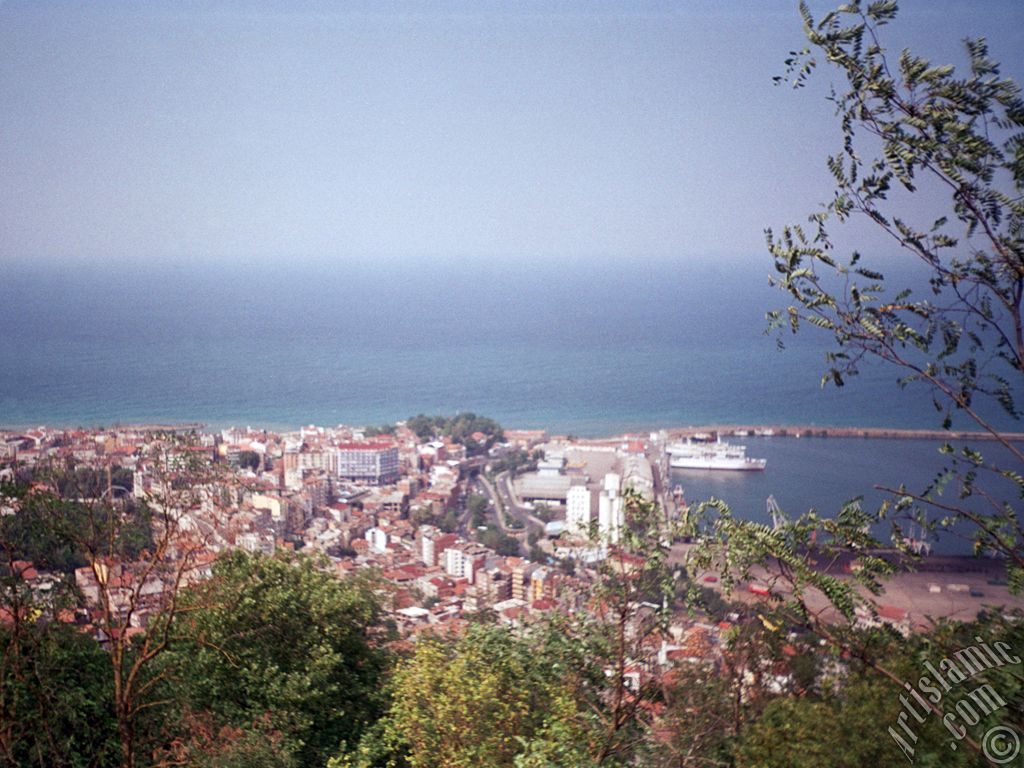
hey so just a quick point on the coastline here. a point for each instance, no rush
(673, 433)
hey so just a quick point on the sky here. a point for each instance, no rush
(231, 133)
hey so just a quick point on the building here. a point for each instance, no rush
(377, 538)
(610, 517)
(522, 575)
(542, 585)
(462, 562)
(454, 562)
(577, 511)
(375, 463)
(431, 543)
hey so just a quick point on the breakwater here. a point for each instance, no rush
(739, 430)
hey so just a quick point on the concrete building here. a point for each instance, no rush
(431, 543)
(462, 562)
(610, 517)
(542, 585)
(548, 489)
(522, 575)
(577, 511)
(551, 465)
(377, 538)
(454, 562)
(275, 505)
(493, 585)
(375, 463)
(637, 474)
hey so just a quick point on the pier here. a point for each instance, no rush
(761, 430)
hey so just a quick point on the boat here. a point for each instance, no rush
(717, 455)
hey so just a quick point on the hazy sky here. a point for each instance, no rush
(230, 131)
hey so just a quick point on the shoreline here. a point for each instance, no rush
(884, 433)
(674, 433)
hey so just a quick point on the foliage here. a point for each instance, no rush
(948, 321)
(473, 701)
(696, 722)
(631, 607)
(56, 698)
(477, 507)
(461, 427)
(449, 522)
(847, 731)
(953, 325)
(500, 542)
(82, 481)
(515, 461)
(56, 533)
(138, 555)
(248, 460)
(279, 640)
(848, 726)
(543, 512)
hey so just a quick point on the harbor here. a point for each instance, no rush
(875, 433)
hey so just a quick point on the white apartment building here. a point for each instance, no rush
(610, 515)
(577, 511)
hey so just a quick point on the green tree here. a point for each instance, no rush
(948, 317)
(139, 553)
(477, 506)
(502, 543)
(948, 321)
(694, 727)
(484, 699)
(279, 642)
(248, 460)
(56, 698)
(461, 427)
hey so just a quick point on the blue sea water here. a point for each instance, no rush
(586, 349)
(824, 473)
(578, 348)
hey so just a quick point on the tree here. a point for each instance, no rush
(459, 428)
(954, 326)
(56, 703)
(477, 506)
(138, 555)
(248, 460)
(694, 727)
(280, 652)
(848, 724)
(948, 320)
(492, 538)
(632, 602)
(464, 703)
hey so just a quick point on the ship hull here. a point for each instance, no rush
(745, 465)
(715, 456)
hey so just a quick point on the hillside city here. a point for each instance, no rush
(512, 523)
(499, 522)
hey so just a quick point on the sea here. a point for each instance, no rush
(581, 347)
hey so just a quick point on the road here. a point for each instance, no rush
(501, 494)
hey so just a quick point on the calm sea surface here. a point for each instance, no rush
(822, 473)
(581, 349)
(578, 349)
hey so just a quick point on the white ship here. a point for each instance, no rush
(717, 455)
